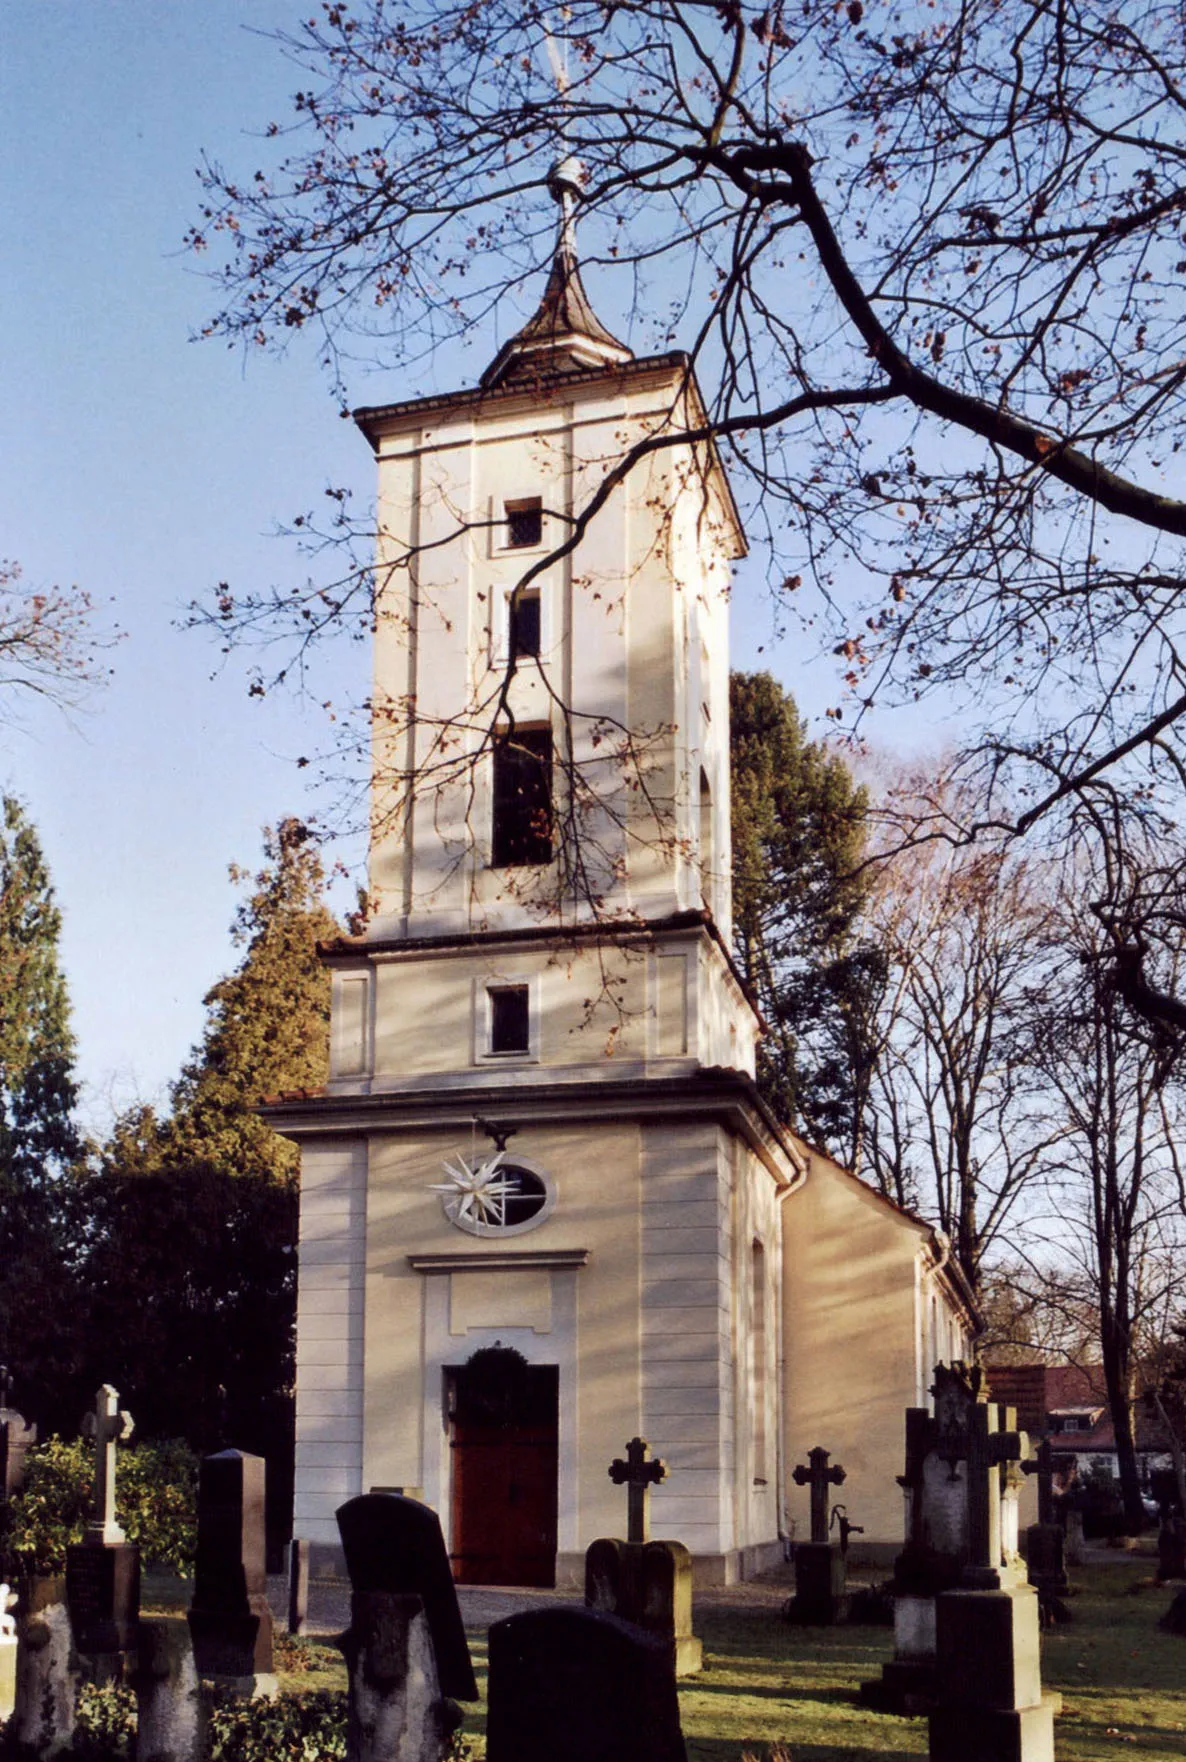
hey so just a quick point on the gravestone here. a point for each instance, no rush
(394, 1544)
(406, 1651)
(7, 1654)
(936, 1546)
(298, 1587)
(819, 1598)
(990, 1705)
(583, 1685)
(171, 1709)
(103, 1570)
(16, 1438)
(642, 1581)
(229, 1620)
(47, 1681)
(1046, 1542)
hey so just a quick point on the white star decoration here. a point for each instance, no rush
(475, 1193)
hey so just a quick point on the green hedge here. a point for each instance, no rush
(155, 1502)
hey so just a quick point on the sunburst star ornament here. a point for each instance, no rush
(476, 1193)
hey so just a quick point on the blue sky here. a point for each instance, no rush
(147, 467)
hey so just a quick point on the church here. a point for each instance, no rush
(543, 1207)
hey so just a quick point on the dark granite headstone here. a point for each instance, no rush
(229, 1619)
(395, 1544)
(103, 1595)
(574, 1683)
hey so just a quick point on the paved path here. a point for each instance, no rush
(329, 1603)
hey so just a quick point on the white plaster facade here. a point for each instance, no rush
(700, 1278)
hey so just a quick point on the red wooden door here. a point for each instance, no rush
(504, 1493)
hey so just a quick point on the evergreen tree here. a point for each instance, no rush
(194, 1266)
(39, 1225)
(798, 836)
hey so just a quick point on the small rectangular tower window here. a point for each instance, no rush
(510, 1020)
(525, 523)
(523, 611)
(522, 830)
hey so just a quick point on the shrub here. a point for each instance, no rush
(292, 1728)
(155, 1498)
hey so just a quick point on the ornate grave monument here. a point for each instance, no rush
(936, 1547)
(990, 1706)
(646, 1582)
(406, 1650)
(820, 1597)
(582, 1685)
(229, 1620)
(103, 1570)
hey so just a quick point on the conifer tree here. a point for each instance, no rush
(798, 823)
(38, 1140)
(194, 1266)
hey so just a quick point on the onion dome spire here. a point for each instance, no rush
(565, 332)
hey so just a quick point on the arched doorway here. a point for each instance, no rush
(503, 1449)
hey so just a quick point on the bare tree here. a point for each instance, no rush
(1115, 1172)
(957, 1125)
(926, 266)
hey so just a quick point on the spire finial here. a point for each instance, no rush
(565, 181)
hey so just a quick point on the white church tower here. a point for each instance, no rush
(540, 1201)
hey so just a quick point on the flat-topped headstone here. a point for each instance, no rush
(229, 1619)
(394, 1544)
(575, 1683)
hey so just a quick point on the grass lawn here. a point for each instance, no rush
(1123, 1682)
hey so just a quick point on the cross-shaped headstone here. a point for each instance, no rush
(103, 1425)
(816, 1474)
(640, 1475)
(988, 1448)
(1042, 1464)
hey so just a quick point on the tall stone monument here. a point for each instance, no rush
(639, 1580)
(1046, 1542)
(990, 1705)
(103, 1570)
(229, 1620)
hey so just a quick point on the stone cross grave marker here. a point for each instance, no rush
(816, 1473)
(988, 1447)
(639, 1475)
(1041, 1464)
(104, 1425)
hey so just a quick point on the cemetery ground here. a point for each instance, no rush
(766, 1682)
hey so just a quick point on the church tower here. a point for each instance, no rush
(540, 1205)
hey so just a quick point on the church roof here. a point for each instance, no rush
(565, 332)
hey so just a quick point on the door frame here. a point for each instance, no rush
(445, 1350)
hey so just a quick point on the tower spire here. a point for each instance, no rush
(565, 332)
